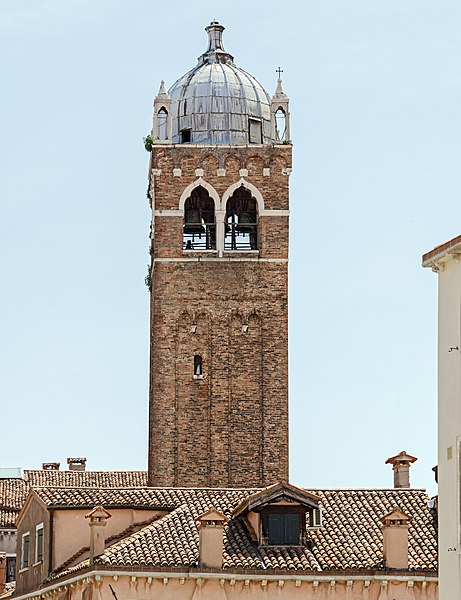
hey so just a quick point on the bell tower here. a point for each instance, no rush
(218, 188)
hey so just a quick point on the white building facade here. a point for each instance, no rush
(445, 260)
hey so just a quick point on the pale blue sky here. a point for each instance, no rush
(375, 90)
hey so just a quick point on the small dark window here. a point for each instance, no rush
(10, 568)
(25, 551)
(284, 528)
(198, 365)
(255, 131)
(39, 544)
(185, 136)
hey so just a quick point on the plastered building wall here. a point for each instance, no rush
(449, 427)
(177, 587)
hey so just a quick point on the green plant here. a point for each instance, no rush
(148, 142)
(148, 278)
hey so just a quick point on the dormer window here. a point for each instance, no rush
(278, 515)
(283, 526)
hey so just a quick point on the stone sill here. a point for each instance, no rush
(237, 253)
(198, 253)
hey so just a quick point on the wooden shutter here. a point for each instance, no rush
(276, 528)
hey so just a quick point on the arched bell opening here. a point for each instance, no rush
(280, 125)
(162, 124)
(199, 230)
(241, 222)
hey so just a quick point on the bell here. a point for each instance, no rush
(245, 224)
(193, 222)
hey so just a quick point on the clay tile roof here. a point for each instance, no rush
(108, 497)
(13, 491)
(352, 536)
(349, 539)
(439, 251)
(41, 477)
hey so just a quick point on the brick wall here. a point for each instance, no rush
(229, 428)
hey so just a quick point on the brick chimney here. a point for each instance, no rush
(211, 528)
(51, 466)
(98, 520)
(77, 464)
(2, 572)
(401, 465)
(395, 539)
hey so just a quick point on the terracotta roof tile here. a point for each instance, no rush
(441, 249)
(350, 538)
(13, 491)
(42, 477)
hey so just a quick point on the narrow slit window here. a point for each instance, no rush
(255, 132)
(39, 543)
(162, 118)
(25, 551)
(281, 124)
(198, 365)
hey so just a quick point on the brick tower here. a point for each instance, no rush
(219, 171)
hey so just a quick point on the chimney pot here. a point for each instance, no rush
(77, 464)
(401, 465)
(211, 529)
(51, 466)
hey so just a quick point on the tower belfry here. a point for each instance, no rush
(219, 179)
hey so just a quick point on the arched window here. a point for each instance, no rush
(199, 230)
(280, 124)
(162, 119)
(198, 365)
(241, 223)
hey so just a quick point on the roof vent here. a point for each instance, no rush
(401, 465)
(51, 466)
(77, 464)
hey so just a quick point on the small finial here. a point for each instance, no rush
(162, 90)
(279, 71)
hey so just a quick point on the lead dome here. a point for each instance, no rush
(217, 103)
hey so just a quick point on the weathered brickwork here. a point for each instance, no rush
(229, 427)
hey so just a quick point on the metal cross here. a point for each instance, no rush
(279, 71)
